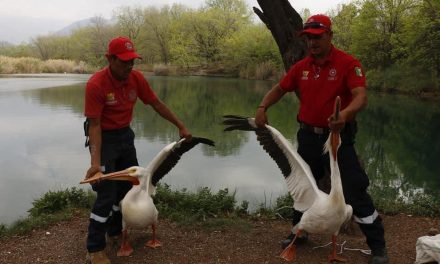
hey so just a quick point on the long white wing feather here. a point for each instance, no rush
(299, 178)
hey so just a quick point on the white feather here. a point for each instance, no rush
(323, 213)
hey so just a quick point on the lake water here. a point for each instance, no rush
(42, 141)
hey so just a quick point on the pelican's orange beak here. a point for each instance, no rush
(123, 175)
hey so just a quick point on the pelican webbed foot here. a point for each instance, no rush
(125, 250)
(153, 243)
(289, 253)
(334, 257)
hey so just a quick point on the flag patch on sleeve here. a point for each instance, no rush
(358, 71)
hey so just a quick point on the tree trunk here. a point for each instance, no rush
(286, 25)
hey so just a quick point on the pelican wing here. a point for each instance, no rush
(300, 181)
(170, 155)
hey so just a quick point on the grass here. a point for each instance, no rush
(202, 208)
(27, 65)
(53, 202)
(420, 204)
(52, 207)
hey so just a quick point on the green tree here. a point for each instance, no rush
(305, 14)
(158, 30)
(130, 21)
(376, 30)
(422, 33)
(342, 23)
(203, 32)
(250, 46)
(90, 43)
(21, 50)
(44, 46)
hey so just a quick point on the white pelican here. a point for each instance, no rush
(323, 213)
(138, 209)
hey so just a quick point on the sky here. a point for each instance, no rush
(20, 20)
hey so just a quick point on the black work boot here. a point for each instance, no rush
(298, 241)
(379, 256)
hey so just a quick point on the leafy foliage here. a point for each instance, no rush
(419, 204)
(179, 205)
(284, 205)
(396, 41)
(211, 210)
(52, 202)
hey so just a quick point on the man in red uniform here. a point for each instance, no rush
(110, 97)
(318, 79)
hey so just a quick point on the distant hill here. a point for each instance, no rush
(80, 24)
(19, 29)
(65, 31)
(16, 29)
(5, 44)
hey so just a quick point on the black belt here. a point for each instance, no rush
(316, 130)
(118, 131)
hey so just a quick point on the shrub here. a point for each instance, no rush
(161, 70)
(52, 202)
(203, 204)
(58, 66)
(283, 207)
(247, 72)
(10, 65)
(242, 210)
(265, 70)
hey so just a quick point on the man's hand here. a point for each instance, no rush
(337, 124)
(184, 133)
(271, 97)
(336, 121)
(260, 117)
(359, 101)
(92, 171)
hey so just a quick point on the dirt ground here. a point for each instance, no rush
(64, 243)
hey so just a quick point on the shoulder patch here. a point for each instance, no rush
(358, 71)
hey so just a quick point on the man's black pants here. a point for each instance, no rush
(117, 153)
(354, 181)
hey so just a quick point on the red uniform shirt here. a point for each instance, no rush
(112, 100)
(318, 86)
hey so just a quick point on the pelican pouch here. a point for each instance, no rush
(86, 132)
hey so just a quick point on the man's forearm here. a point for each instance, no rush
(166, 113)
(273, 96)
(95, 144)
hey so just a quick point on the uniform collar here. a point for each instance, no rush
(330, 57)
(115, 82)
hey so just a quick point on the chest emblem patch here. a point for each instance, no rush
(132, 95)
(332, 74)
(305, 75)
(110, 99)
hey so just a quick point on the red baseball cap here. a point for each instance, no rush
(122, 48)
(317, 25)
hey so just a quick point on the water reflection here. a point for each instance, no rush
(42, 139)
(401, 145)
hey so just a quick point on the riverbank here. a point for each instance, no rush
(202, 227)
(246, 241)
(149, 71)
